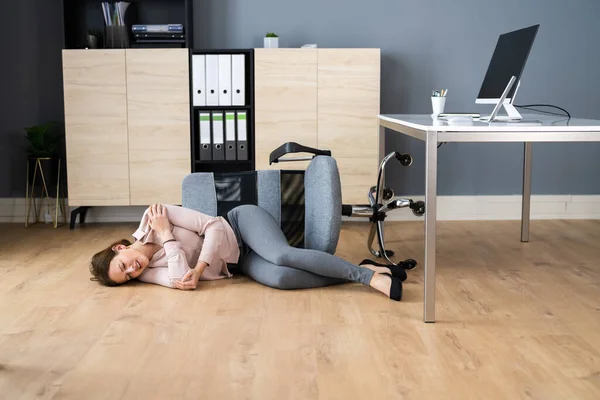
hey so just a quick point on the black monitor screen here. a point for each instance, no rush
(509, 59)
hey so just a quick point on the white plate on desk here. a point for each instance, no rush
(452, 121)
(460, 121)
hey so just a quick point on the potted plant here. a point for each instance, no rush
(43, 140)
(43, 145)
(271, 40)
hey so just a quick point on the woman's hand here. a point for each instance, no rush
(159, 220)
(189, 280)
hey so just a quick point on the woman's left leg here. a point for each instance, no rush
(282, 277)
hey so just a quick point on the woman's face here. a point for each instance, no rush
(128, 264)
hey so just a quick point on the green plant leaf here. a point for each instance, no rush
(42, 140)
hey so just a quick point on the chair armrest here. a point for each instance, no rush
(293, 147)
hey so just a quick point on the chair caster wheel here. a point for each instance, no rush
(418, 208)
(405, 159)
(387, 194)
(409, 264)
(389, 253)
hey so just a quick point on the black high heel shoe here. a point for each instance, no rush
(396, 270)
(396, 288)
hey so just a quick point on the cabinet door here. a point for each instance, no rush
(286, 102)
(96, 127)
(158, 108)
(349, 91)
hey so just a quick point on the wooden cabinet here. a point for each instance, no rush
(324, 98)
(95, 95)
(158, 110)
(285, 92)
(127, 116)
(127, 125)
(349, 91)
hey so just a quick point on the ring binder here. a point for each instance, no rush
(205, 142)
(224, 79)
(238, 80)
(218, 142)
(199, 79)
(230, 145)
(212, 80)
(242, 138)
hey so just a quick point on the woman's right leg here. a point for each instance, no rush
(260, 232)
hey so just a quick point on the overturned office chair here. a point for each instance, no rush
(307, 205)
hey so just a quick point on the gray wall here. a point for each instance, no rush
(31, 81)
(425, 44)
(430, 44)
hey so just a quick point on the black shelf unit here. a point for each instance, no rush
(223, 108)
(241, 162)
(199, 165)
(82, 16)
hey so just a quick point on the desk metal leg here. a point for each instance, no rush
(381, 224)
(430, 224)
(526, 201)
(381, 144)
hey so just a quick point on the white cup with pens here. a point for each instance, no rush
(438, 101)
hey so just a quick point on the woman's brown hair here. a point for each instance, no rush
(101, 262)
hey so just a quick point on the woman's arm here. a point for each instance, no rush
(177, 266)
(216, 242)
(178, 274)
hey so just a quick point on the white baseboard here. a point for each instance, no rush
(13, 210)
(470, 208)
(449, 208)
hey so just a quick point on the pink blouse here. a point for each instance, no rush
(198, 237)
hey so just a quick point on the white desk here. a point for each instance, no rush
(533, 128)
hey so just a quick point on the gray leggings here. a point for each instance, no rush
(269, 259)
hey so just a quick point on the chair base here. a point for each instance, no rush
(382, 201)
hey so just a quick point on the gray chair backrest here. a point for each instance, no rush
(323, 204)
(322, 198)
(199, 193)
(268, 184)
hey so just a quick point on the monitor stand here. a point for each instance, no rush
(511, 111)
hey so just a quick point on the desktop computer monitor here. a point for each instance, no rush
(508, 60)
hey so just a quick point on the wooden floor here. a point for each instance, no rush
(514, 321)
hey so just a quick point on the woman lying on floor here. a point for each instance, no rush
(170, 239)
